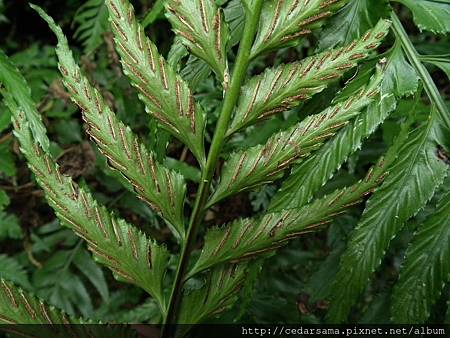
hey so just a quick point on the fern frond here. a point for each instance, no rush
(413, 178)
(92, 20)
(281, 88)
(166, 96)
(284, 22)
(265, 163)
(244, 239)
(308, 177)
(401, 78)
(219, 294)
(166, 190)
(235, 17)
(430, 15)
(19, 307)
(426, 268)
(18, 89)
(121, 247)
(203, 30)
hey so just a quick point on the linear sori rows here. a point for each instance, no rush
(321, 141)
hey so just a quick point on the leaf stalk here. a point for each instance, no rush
(230, 100)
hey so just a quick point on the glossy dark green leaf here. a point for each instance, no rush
(412, 180)
(352, 21)
(308, 177)
(426, 268)
(235, 17)
(401, 78)
(430, 15)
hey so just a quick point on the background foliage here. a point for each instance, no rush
(295, 285)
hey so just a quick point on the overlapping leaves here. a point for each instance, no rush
(413, 178)
(426, 268)
(419, 168)
(165, 191)
(19, 307)
(284, 22)
(124, 249)
(265, 163)
(281, 88)
(166, 96)
(217, 295)
(356, 17)
(201, 26)
(308, 177)
(401, 78)
(247, 238)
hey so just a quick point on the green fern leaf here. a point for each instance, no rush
(166, 96)
(203, 30)
(247, 238)
(283, 22)
(17, 89)
(356, 17)
(426, 268)
(18, 307)
(11, 270)
(92, 20)
(430, 15)
(124, 249)
(282, 88)
(235, 18)
(308, 177)
(265, 163)
(166, 190)
(413, 178)
(219, 294)
(401, 78)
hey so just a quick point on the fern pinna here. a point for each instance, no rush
(298, 158)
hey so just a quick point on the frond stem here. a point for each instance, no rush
(231, 97)
(414, 58)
